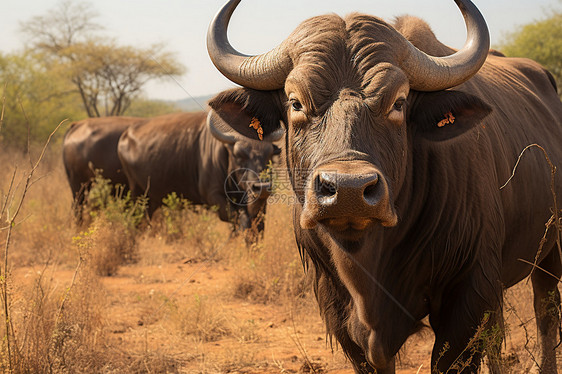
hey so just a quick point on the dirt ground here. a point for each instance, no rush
(264, 337)
(188, 302)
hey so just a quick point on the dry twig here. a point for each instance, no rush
(555, 218)
(11, 223)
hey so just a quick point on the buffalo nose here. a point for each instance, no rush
(359, 188)
(347, 195)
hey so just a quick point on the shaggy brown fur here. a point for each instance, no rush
(178, 153)
(459, 239)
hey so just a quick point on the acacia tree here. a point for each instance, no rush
(540, 41)
(107, 76)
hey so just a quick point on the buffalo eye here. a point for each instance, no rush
(396, 114)
(296, 105)
(399, 104)
(298, 115)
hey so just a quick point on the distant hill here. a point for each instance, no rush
(192, 104)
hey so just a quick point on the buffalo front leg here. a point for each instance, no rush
(547, 309)
(78, 206)
(227, 212)
(80, 191)
(364, 368)
(466, 327)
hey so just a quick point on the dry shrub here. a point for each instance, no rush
(271, 271)
(200, 319)
(194, 232)
(268, 280)
(195, 226)
(110, 239)
(57, 327)
(107, 245)
(113, 203)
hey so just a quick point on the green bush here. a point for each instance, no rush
(115, 203)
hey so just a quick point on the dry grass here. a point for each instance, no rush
(271, 271)
(106, 245)
(45, 220)
(49, 327)
(58, 328)
(66, 325)
(176, 296)
(200, 318)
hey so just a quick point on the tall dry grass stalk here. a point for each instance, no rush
(46, 327)
(554, 221)
(8, 216)
(3, 108)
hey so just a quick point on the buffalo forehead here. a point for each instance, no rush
(342, 64)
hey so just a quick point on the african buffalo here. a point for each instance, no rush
(186, 154)
(401, 152)
(90, 145)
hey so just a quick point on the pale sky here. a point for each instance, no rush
(256, 27)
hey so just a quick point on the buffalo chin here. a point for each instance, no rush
(349, 240)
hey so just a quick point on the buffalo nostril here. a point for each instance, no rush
(371, 191)
(326, 189)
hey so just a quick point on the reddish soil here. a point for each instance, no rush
(262, 338)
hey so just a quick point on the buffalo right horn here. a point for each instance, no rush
(262, 72)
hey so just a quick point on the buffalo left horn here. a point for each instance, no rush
(262, 72)
(429, 73)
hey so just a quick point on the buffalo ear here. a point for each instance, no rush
(227, 124)
(443, 115)
(247, 113)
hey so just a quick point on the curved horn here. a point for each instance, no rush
(220, 135)
(429, 73)
(262, 72)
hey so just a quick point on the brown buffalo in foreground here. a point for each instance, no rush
(402, 153)
(186, 154)
(91, 145)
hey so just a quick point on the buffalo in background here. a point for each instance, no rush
(186, 153)
(90, 145)
(397, 155)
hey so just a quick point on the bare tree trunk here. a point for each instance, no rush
(84, 98)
